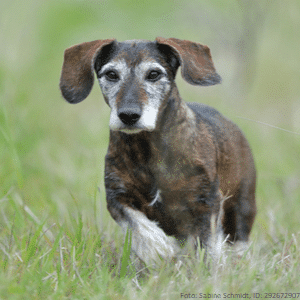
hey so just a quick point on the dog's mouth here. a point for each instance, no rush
(131, 130)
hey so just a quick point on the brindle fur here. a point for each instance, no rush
(191, 159)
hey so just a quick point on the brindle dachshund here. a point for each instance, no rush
(169, 163)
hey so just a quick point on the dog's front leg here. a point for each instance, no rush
(148, 240)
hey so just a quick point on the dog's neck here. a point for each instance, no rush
(175, 130)
(176, 119)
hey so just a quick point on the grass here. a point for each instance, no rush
(41, 260)
(57, 240)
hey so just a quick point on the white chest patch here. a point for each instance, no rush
(156, 199)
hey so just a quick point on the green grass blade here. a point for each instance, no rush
(126, 254)
(32, 244)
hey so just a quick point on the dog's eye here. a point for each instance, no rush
(111, 75)
(153, 75)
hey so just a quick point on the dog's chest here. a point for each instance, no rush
(154, 181)
(148, 166)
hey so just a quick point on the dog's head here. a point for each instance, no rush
(135, 76)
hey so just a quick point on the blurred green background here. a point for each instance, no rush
(52, 153)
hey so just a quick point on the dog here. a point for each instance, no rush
(169, 163)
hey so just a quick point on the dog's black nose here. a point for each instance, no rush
(129, 116)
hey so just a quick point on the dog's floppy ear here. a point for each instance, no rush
(197, 67)
(77, 76)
